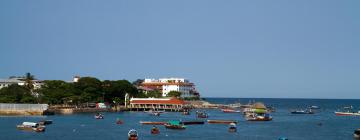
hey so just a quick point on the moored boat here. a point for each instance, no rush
(155, 130)
(347, 113)
(174, 125)
(259, 117)
(152, 123)
(302, 112)
(232, 127)
(191, 122)
(31, 126)
(132, 134)
(221, 121)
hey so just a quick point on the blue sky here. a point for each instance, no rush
(234, 48)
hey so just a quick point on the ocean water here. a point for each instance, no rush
(83, 126)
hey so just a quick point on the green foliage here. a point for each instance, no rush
(154, 93)
(16, 94)
(174, 94)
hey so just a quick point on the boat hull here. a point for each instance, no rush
(221, 121)
(152, 123)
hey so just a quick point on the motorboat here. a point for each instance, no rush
(232, 127)
(174, 125)
(221, 121)
(347, 111)
(152, 123)
(155, 130)
(99, 116)
(357, 134)
(132, 134)
(302, 112)
(31, 126)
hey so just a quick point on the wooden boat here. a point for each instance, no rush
(174, 125)
(152, 123)
(230, 111)
(45, 122)
(99, 116)
(357, 134)
(191, 122)
(221, 121)
(132, 134)
(232, 127)
(155, 130)
(31, 126)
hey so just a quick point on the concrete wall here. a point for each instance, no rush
(22, 109)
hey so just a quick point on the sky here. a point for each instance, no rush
(232, 48)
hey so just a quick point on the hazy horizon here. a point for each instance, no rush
(269, 49)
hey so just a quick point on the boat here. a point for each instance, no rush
(45, 122)
(118, 121)
(174, 125)
(357, 134)
(221, 121)
(314, 107)
(347, 111)
(99, 116)
(232, 127)
(302, 112)
(152, 123)
(230, 111)
(192, 122)
(200, 114)
(31, 126)
(132, 134)
(155, 130)
(259, 117)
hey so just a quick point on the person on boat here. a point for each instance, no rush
(155, 130)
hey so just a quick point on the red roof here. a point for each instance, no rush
(157, 101)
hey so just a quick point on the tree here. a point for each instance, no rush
(56, 91)
(16, 94)
(29, 81)
(91, 89)
(154, 93)
(176, 94)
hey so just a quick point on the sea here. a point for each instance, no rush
(83, 126)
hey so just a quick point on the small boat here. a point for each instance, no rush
(232, 127)
(118, 121)
(357, 134)
(132, 134)
(256, 117)
(152, 123)
(201, 114)
(221, 121)
(302, 112)
(31, 126)
(99, 116)
(191, 122)
(45, 122)
(155, 130)
(230, 111)
(174, 125)
(348, 111)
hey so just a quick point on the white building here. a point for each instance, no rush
(19, 81)
(165, 85)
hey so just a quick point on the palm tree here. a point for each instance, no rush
(29, 84)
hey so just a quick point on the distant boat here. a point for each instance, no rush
(155, 130)
(45, 122)
(191, 122)
(314, 107)
(347, 111)
(99, 116)
(232, 127)
(302, 112)
(174, 125)
(132, 134)
(230, 111)
(118, 121)
(256, 117)
(31, 126)
(200, 114)
(221, 121)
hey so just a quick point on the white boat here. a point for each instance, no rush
(31, 126)
(132, 134)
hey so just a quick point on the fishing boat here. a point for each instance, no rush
(309, 111)
(221, 121)
(31, 126)
(45, 122)
(230, 111)
(174, 125)
(152, 123)
(155, 130)
(357, 134)
(99, 116)
(200, 114)
(191, 122)
(132, 134)
(232, 127)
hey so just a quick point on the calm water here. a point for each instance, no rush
(295, 127)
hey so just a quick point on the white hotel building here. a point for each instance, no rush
(165, 85)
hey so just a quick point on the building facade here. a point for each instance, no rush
(166, 85)
(19, 81)
(167, 104)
